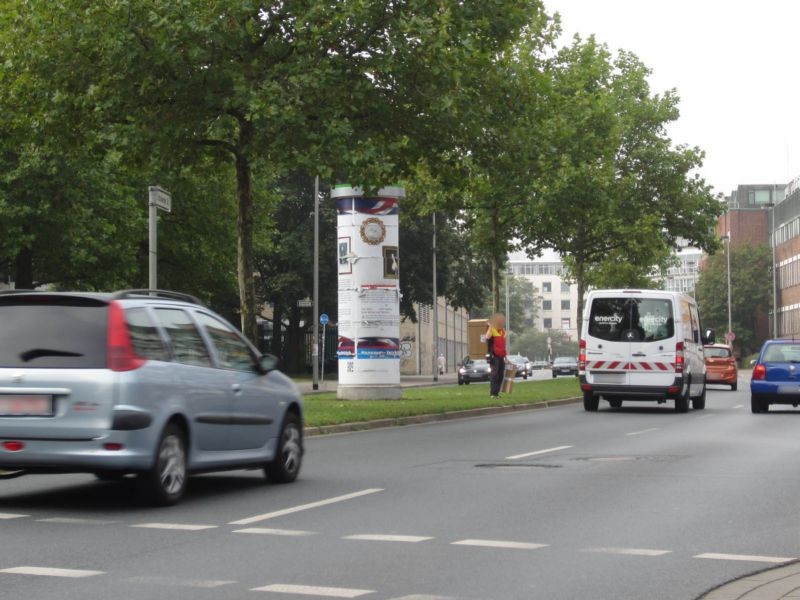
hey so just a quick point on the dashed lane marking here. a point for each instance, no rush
(4, 516)
(279, 532)
(739, 406)
(372, 537)
(51, 572)
(75, 521)
(537, 452)
(629, 551)
(313, 590)
(499, 544)
(207, 584)
(175, 526)
(642, 431)
(745, 557)
(424, 597)
(302, 507)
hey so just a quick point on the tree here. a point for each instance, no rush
(522, 304)
(751, 294)
(533, 344)
(613, 186)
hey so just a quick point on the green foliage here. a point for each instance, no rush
(522, 304)
(533, 344)
(751, 294)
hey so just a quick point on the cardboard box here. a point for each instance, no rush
(508, 378)
(476, 338)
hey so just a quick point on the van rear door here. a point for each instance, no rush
(652, 325)
(607, 346)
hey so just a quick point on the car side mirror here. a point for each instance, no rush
(710, 337)
(268, 363)
(753, 362)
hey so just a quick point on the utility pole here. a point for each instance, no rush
(315, 358)
(727, 238)
(435, 310)
(772, 205)
(508, 314)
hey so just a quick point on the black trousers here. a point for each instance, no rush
(498, 365)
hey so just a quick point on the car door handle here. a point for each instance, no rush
(638, 354)
(237, 389)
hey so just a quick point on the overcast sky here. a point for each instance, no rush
(735, 64)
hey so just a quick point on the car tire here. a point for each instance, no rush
(460, 381)
(755, 404)
(525, 377)
(165, 483)
(734, 387)
(699, 403)
(615, 403)
(590, 402)
(467, 382)
(554, 375)
(289, 454)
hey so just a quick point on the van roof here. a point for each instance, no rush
(634, 293)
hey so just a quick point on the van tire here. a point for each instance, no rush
(699, 403)
(682, 403)
(590, 402)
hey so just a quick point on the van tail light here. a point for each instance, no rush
(679, 357)
(760, 373)
(121, 355)
(582, 356)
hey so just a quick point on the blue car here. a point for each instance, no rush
(776, 376)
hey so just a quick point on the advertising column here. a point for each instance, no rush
(369, 293)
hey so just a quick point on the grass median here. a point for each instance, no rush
(325, 409)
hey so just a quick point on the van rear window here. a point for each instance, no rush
(52, 332)
(631, 319)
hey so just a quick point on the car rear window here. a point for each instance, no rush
(52, 332)
(718, 352)
(782, 353)
(631, 319)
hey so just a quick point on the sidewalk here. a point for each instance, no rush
(407, 381)
(772, 584)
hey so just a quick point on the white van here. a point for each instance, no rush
(642, 345)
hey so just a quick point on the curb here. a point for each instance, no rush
(433, 418)
(770, 583)
(407, 386)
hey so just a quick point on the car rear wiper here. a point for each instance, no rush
(35, 353)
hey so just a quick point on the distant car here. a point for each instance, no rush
(565, 365)
(776, 376)
(721, 366)
(474, 370)
(521, 364)
(139, 382)
(539, 365)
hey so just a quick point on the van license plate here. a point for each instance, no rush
(26, 405)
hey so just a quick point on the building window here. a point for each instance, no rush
(548, 323)
(547, 305)
(564, 288)
(565, 324)
(565, 305)
(547, 287)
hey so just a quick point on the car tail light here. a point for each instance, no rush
(679, 357)
(586, 387)
(582, 356)
(121, 355)
(13, 446)
(113, 446)
(760, 373)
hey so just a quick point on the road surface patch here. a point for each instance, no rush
(745, 557)
(642, 431)
(313, 590)
(278, 532)
(628, 551)
(537, 452)
(499, 544)
(5, 516)
(302, 507)
(174, 526)
(372, 537)
(51, 572)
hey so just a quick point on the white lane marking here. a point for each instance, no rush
(4, 516)
(302, 507)
(281, 532)
(51, 572)
(739, 406)
(373, 537)
(629, 551)
(499, 544)
(538, 452)
(313, 590)
(175, 526)
(75, 521)
(642, 431)
(745, 557)
(207, 584)
(424, 597)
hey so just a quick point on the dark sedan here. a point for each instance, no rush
(474, 370)
(565, 365)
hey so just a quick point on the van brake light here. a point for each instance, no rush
(121, 355)
(679, 357)
(582, 356)
(760, 373)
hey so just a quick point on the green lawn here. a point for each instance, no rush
(325, 409)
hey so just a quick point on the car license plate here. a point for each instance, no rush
(26, 405)
(789, 389)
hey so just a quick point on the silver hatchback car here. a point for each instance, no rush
(139, 382)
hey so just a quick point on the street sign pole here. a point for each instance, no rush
(157, 198)
(315, 344)
(323, 320)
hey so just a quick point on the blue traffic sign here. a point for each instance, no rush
(323, 319)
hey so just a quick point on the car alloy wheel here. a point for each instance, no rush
(289, 454)
(172, 461)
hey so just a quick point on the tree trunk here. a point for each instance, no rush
(580, 280)
(277, 332)
(245, 261)
(495, 286)
(23, 269)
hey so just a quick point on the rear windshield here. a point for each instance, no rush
(631, 319)
(718, 352)
(52, 333)
(782, 353)
(564, 361)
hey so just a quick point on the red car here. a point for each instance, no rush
(721, 366)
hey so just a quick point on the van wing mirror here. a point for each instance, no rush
(710, 337)
(268, 363)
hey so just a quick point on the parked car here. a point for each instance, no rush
(776, 376)
(721, 366)
(474, 370)
(539, 365)
(565, 365)
(140, 382)
(643, 345)
(521, 364)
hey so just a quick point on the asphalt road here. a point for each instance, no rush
(638, 503)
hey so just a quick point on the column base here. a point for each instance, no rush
(369, 392)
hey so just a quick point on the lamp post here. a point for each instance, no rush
(315, 359)
(727, 239)
(435, 310)
(771, 206)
